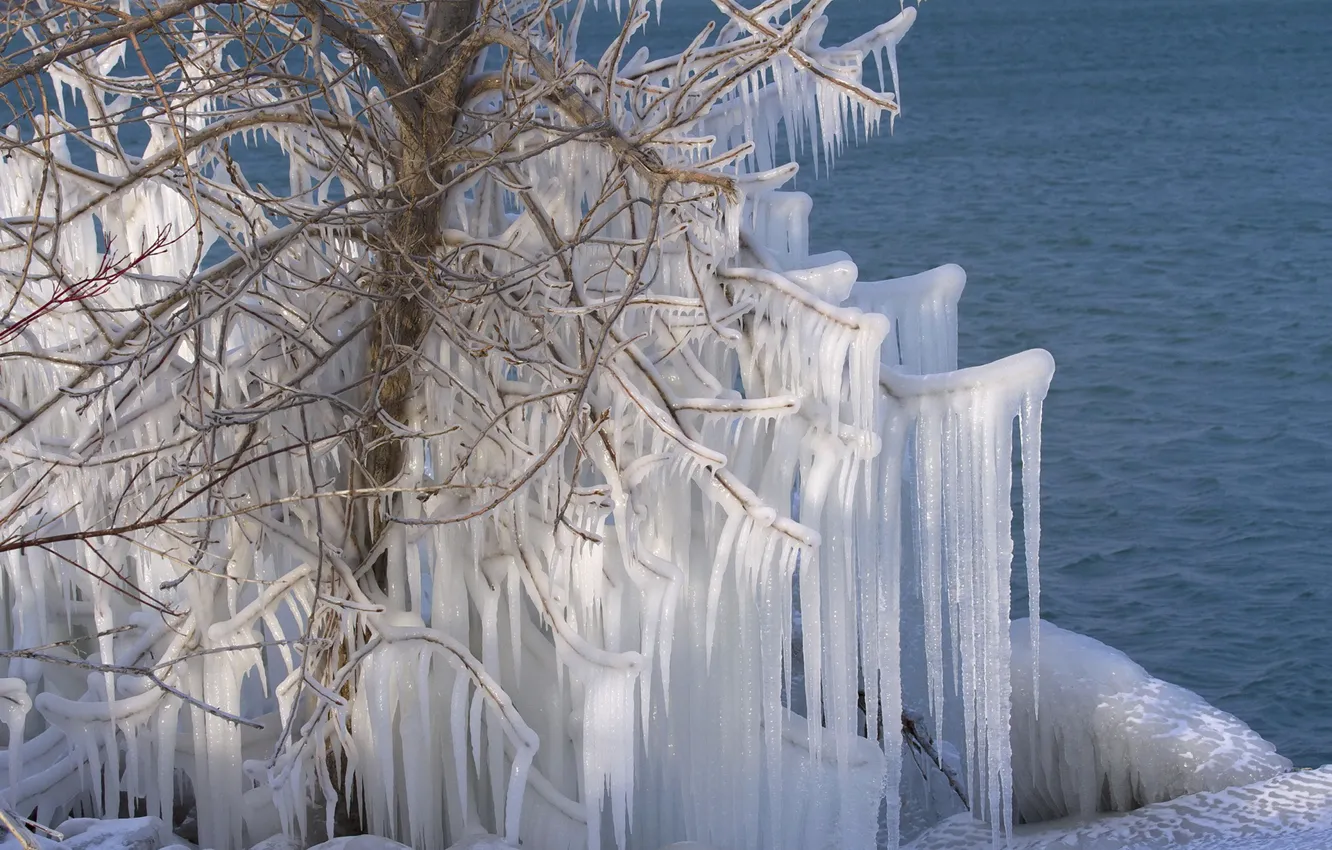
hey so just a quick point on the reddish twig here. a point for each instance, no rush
(108, 272)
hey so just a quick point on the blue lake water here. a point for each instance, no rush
(1143, 187)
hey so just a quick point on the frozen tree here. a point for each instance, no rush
(499, 461)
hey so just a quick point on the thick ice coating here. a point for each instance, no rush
(924, 311)
(1110, 738)
(960, 427)
(638, 419)
(1292, 811)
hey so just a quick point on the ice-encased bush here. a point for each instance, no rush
(452, 478)
(1104, 736)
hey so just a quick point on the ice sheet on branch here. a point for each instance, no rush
(923, 308)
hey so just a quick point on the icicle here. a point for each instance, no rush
(964, 426)
(458, 731)
(14, 707)
(608, 751)
(1030, 433)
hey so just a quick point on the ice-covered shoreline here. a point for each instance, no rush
(1107, 757)
(1292, 811)
(1096, 733)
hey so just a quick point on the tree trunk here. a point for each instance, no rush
(436, 66)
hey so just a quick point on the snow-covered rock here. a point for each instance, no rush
(361, 842)
(1110, 738)
(279, 842)
(122, 834)
(480, 842)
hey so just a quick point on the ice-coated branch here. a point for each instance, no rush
(19, 829)
(918, 738)
(584, 114)
(130, 27)
(123, 670)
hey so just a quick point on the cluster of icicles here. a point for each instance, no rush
(606, 658)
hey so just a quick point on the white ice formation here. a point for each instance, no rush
(1104, 736)
(584, 638)
(1292, 811)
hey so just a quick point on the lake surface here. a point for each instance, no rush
(1143, 187)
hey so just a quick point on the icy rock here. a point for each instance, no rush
(1108, 737)
(124, 834)
(474, 842)
(77, 826)
(1289, 812)
(364, 842)
(279, 842)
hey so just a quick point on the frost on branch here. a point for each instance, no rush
(456, 464)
